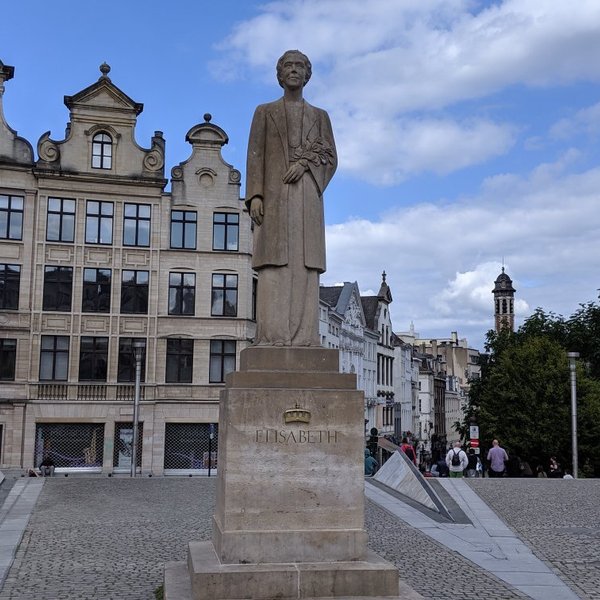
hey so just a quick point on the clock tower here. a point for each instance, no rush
(504, 302)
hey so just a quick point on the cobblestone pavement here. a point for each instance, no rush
(428, 567)
(559, 519)
(104, 539)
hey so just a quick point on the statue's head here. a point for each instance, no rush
(285, 56)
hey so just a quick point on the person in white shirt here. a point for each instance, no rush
(457, 460)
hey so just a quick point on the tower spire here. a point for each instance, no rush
(504, 303)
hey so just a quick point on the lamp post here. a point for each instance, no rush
(572, 366)
(138, 352)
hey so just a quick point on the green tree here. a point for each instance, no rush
(523, 396)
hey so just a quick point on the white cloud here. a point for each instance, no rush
(383, 62)
(408, 147)
(586, 121)
(442, 259)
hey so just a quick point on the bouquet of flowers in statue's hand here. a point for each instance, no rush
(317, 151)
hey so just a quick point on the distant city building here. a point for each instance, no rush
(361, 327)
(447, 367)
(406, 385)
(504, 303)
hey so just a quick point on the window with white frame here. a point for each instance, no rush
(102, 151)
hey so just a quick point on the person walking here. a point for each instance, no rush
(474, 465)
(497, 458)
(457, 460)
(409, 450)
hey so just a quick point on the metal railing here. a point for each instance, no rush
(90, 392)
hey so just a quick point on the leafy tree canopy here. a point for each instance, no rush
(523, 397)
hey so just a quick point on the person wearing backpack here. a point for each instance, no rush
(457, 460)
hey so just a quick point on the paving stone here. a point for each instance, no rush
(559, 520)
(101, 538)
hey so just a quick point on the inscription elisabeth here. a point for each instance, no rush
(298, 436)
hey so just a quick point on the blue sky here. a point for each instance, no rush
(467, 131)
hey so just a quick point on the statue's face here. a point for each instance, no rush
(293, 71)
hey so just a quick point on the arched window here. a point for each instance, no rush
(102, 151)
(504, 309)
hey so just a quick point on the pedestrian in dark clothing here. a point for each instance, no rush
(554, 470)
(472, 465)
(47, 467)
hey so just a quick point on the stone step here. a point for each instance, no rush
(211, 580)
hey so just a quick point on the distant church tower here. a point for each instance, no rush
(504, 300)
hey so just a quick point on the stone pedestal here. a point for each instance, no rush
(289, 516)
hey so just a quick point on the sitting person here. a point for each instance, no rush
(47, 467)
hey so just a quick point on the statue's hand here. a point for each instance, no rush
(294, 173)
(256, 210)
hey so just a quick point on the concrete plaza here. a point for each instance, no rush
(93, 538)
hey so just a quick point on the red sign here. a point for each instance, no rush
(474, 443)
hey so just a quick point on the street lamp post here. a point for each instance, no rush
(138, 351)
(572, 366)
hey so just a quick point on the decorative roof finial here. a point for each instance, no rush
(207, 117)
(383, 276)
(105, 70)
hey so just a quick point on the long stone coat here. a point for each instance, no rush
(268, 160)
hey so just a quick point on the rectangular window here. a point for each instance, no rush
(126, 368)
(60, 225)
(224, 295)
(10, 278)
(70, 445)
(8, 359)
(11, 217)
(93, 358)
(134, 292)
(182, 293)
(58, 287)
(189, 445)
(136, 225)
(222, 360)
(254, 289)
(96, 290)
(54, 358)
(183, 229)
(226, 229)
(99, 222)
(102, 151)
(180, 359)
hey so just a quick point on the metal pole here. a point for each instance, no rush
(136, 409)
(572, 365)
(211, 435)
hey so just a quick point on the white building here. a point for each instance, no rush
(406, 384)
(343, 325)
